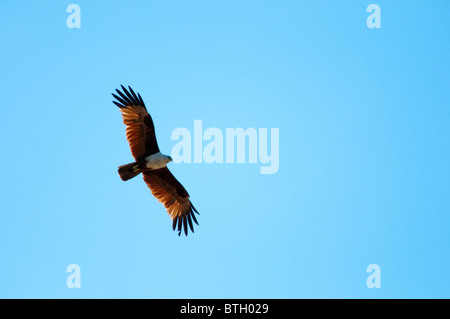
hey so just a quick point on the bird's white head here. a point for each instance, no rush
(157, 160)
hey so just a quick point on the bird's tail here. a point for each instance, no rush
(128, 171)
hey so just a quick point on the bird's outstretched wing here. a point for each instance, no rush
(168, 190)
(140, 129)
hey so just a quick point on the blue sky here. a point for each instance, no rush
(363, 116)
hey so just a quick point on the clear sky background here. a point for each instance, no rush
(363, 116)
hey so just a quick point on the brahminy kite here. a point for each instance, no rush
(149, 161)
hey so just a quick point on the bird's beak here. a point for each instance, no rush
(170, 159)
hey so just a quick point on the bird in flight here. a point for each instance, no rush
(149, 161)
